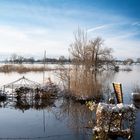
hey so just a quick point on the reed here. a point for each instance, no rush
(80, 84)
(84, 85)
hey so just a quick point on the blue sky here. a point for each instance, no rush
(28, 27)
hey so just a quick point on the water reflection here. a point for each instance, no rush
(69, 119)
(37, 104)
(137, 104)
(26, 104)
(64, 119)
(79, 118)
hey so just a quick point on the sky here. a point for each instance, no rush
(29, 27)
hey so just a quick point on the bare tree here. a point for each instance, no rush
(128, 61)
(78, 47)
(138, 60)
(90, 53)
(20, 59)
(13, 58)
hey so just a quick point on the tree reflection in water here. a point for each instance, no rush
(24, 104)
(79, 118)
(27, 103)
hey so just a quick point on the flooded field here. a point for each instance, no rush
(60, 118)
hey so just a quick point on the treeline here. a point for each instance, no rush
(20, 59)
(128, 61)
(17, 59)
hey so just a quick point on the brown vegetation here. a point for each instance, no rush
(85, 85)
(21, 69)
(81, 84)
(88, 58)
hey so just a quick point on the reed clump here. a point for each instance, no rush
(84, 85)
(81, 84)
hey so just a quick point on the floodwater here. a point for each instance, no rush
(61, 119)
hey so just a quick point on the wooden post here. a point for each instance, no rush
(12, 92)
(4, 88)
(118, 92)
(44, 67)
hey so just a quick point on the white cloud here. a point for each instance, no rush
(32, 41)
(123, 41)
(50, 29)
(97, 28)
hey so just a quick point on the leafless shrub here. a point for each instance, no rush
(127, 69)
